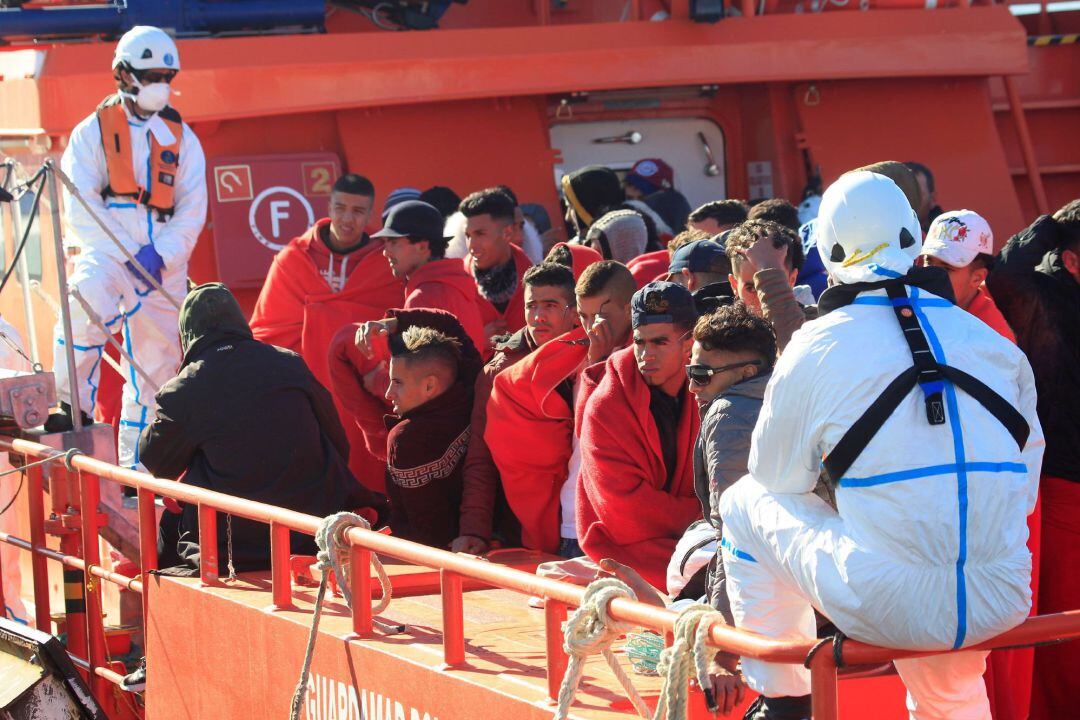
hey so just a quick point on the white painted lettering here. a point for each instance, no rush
(399, 711)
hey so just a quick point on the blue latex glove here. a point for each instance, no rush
(150, 260)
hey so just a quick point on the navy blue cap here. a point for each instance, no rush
(412, 218)
(700, 256)
(662, 302)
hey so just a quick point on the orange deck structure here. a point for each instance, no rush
(500, 94)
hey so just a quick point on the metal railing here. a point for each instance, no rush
(453, 568)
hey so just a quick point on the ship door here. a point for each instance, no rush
(693, 147)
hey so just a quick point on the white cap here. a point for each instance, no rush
(866, 230)
(956, 237)
(144, 47)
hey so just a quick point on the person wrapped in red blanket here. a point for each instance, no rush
(494, 262)
(549, 313)
(414, 247)
(330, 276)
(635, 495)
(530, 415)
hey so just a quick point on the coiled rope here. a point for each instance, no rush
(687, 657)
(590, 630)
(334, 555)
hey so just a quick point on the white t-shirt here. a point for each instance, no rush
(9, 359)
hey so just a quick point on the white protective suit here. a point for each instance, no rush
(148, 321)
(927, 548)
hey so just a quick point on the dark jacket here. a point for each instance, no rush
(483, 506)
(721, 456)
(1041, 302)
(426, 446)
(247, 419)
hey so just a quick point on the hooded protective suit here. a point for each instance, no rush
(124, 303)
(926, 549)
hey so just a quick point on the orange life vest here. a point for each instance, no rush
(164, 159)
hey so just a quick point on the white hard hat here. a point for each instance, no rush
(866, 229)
(144, 47)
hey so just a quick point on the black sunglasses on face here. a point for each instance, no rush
(149, 77)
(702, 374)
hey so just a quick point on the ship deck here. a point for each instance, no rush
(194, 672)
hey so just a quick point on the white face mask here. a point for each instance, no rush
(153, 97)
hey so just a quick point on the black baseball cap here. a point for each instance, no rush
(700, 256)
(662, 302)
(414, 219)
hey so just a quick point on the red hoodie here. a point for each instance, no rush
(514, 314)
(298, 310)
(444, 285)
(984, 308)
(623, 511)
(648, 267)
(581, 257)
(529, 433)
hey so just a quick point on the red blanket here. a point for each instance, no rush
(623, 511)
(297, 310)
(529, 433)
(514, 315)
(648, 267)
(581, 257)
(438, 285)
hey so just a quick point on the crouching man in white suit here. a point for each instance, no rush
(923, 420)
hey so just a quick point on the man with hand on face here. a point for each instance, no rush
(141, 171)
(635, 494)
(494, 262)
(549, 313)
(531, 419)
(414, 249)
(765, 260)
(332, 275)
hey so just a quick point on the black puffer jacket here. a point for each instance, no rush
(247, 419)
(1041, 302)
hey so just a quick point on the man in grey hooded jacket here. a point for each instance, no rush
(730, 365)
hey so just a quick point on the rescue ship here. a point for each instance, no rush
(750, 100)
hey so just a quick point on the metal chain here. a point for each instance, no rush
(228, 548)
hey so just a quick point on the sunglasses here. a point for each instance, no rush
(702, 374)
(149, 77)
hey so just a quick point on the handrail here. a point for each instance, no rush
(1049, 628)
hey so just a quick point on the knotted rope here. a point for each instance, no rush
(591, 630)
(688, 656)
(334, 555)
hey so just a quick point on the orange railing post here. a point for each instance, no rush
(554, 617)
(453, 618)
(280, 577)
(823, 685)
(148, 555)
(35, 487)
(208, 547)
(360, 569)
(89, 499)
(1027, 149)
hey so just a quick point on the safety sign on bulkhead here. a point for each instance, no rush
(259, 203)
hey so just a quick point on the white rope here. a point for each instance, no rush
(590, 630)
(334, 555)
(687, 657)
